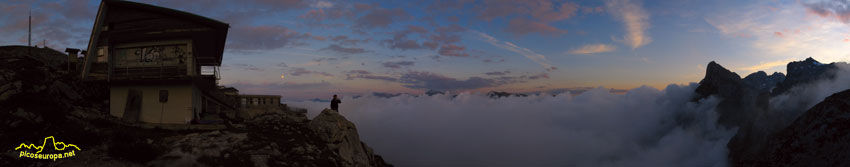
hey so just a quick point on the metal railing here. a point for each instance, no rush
(164, 72)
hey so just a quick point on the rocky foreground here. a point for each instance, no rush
(820, 137)
(38, 99)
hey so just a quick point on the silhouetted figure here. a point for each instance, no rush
(335, 103)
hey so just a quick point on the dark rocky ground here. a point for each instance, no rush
(820, 137)
(38, 99)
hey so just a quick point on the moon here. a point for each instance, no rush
(281, 76)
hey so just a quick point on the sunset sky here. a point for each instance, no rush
(304, 49)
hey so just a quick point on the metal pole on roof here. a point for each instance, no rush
(29, 34)
(29, 31)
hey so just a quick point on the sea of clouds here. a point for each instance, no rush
(643, 127)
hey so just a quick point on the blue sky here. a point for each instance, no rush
(313, 48)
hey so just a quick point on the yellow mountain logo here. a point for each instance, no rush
(56, 146)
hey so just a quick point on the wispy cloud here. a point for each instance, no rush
(635, 19)
(322, 4)
(428, 80)
(498, 73)
(593, 48)
(363, 74)
(247, 67)
(802, 35)
(344, 50)
(533, 16)
(765, 65)
(838, 9)
(302, 71)
(453, 50)
(521, 26)
(397, 64)
(531, 55)
(381, 18)
(264, 37)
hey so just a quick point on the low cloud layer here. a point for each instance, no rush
(643, 127)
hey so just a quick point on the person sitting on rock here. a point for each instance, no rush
(335, 103)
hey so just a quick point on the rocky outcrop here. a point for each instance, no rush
(719, 81)
(282, 138)
(820, 137)
(763, 82)
(49, 57)
(737, 95)
(744, 105)
(802, 72)
(341, 135)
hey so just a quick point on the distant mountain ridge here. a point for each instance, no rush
(763, 82)
(745, 103)
(806, 71)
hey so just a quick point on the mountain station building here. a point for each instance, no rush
(161, 65)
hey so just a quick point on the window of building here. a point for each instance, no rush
(163, 96)
(102, 54)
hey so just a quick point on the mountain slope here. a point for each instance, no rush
(745, 104)
(820, 137)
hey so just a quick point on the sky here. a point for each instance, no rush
(304, 49)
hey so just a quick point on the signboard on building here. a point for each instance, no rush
(152, 56)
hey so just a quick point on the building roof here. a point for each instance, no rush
(72, 50)
(167, 11)
(120, 21)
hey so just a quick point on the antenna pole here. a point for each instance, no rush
(29, 32)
